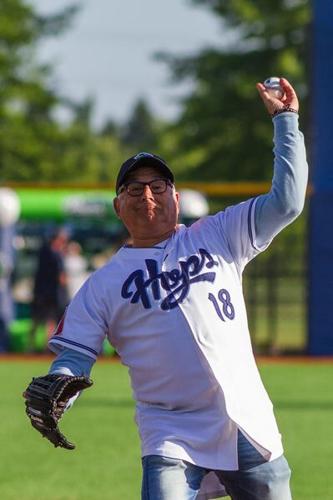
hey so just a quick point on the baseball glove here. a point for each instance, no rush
(46, 400)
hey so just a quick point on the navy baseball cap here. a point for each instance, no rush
(143, 158)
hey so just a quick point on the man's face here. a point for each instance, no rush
(147, 215)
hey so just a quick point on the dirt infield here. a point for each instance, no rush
(316, 360)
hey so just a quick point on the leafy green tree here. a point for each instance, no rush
(27, 127)
(223, 131)
(140, 132)
(34, 145)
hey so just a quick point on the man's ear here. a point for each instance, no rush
(177, 195)
(116, 206)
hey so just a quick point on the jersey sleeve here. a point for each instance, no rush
(285, 201)
(70, 362)
(249, 227)
(237, 225)
(84, 325)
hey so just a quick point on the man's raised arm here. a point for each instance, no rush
(285, 201)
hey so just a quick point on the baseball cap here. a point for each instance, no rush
(143, 158)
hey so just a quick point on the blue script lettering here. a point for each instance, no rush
(177, 281)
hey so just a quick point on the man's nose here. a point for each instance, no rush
(147, 191)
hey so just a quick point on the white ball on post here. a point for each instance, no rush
(9, 207)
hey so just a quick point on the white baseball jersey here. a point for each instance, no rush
(176, 315)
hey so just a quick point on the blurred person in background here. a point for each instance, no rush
(6, 300)
(76, 267)
(9, 214)
(50, 289)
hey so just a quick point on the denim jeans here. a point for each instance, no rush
(173, 479)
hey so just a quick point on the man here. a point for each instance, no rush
(171, 304)
(50, 295)
(9, 214)
(6, 298)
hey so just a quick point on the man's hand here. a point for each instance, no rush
(273, 104)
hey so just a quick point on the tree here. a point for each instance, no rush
(34, 145)
(140, 131)
(223, 132)
(27, 101)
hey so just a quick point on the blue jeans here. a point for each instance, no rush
(173, 479)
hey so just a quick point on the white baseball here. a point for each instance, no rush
(273, 87)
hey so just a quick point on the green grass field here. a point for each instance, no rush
(106, 463)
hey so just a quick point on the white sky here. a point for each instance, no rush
(107, 53)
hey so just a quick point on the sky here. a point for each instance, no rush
(108, 51)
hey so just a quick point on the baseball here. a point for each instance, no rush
(273, 87)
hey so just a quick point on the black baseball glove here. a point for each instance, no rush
(46, 400)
